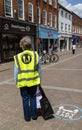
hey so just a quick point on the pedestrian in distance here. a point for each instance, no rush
(73, 48)
(51, 49)
(27, 73)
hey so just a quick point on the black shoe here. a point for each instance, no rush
(34, 118)
(27, 120)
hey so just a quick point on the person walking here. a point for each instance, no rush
(73, 48)
(27, 71)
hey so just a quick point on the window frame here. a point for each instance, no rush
(21, 10)
(65, 27)
(50, 19)
(7, 6)
(38, 15)
(44, 19)
(55, 4)
(30, 15)
(62, 13)
(50, 2)
(55, 21)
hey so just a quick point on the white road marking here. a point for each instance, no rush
(64, 69)
(6, 81)
(63, 89)
(10, 81)
(47, 87)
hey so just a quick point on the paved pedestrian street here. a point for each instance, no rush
(62, 83)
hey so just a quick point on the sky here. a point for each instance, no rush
(73, 5)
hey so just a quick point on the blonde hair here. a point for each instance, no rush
(25, 43)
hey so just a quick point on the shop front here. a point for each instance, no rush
(11, 31)
(77, 39)
(47, 36)
(65, 42)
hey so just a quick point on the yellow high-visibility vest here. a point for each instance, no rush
(26, 63)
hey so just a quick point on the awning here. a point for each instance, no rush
(74, 37)
(48, 33)
(80, 37)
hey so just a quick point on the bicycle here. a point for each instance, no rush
(44, 58)
(48, 58)
(54, 57)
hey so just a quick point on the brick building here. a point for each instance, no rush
(35, 18)
(47, 23)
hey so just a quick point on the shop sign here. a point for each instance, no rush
(21, 28)
(48, 33)
(14, 26)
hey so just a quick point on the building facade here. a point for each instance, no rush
(77, 29)
(47, 24)
(65, 28)
(17, 19)
(35, 18)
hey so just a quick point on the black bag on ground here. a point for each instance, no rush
(46, 108)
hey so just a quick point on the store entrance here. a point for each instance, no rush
(10, 45)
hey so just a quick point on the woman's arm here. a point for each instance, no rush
(15, 73)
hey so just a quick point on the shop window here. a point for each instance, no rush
(10, 46)
(8, 8)
(30, 12)
(21, 9)
(62, 27)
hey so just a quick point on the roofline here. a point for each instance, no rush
(61, 6)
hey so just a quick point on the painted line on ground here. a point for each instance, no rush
(63, 89)
(48, 87)
(6, 81)
(51, 87)
(64, 69)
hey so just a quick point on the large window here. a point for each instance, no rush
(62, 13)
(50, 19)
(62, 27)
(65, 14)
(55, 3)
(69, 28)
(10, 46)
(38, 15)
(65, 27)
(21, 9)
(30, 12)
(8, 8)
(44, 16)
(50, 2)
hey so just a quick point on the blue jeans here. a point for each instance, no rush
(29, 101)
